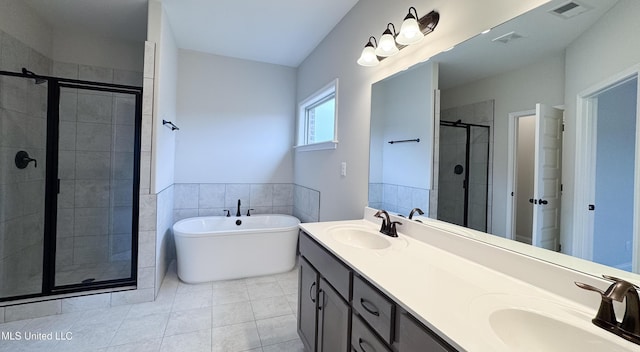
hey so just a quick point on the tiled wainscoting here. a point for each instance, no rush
(397, 198)
(211, 199)
(255, 315)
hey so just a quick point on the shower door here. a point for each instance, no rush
(463, 174)
(69, 185)
(97, 186)
(23, 126)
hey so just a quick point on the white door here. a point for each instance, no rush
(547, 176)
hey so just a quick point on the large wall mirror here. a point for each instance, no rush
(527, 132)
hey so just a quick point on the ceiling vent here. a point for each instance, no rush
(509, 37)
(570, 9)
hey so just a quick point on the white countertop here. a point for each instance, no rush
(446, 292)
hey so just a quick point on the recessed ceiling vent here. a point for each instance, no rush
(570, 9)
(507, 38)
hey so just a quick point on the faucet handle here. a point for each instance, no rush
(615, 279)
(606, 317)
(228, 212)
(392, 228)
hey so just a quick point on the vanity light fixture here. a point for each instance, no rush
(368, 57)
(412, 31)
(387, 46)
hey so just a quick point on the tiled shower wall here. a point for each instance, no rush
(207, 199)
(23, 109)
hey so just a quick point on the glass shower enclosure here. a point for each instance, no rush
(69, 185)
(463, 174)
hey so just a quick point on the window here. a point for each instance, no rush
(317, 120)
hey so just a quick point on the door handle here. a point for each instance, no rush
(320, 295)
(310, 295)
(543, 202)
(533, 201)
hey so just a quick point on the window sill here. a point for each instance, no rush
(316, 146)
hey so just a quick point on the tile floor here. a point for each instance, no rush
(254, 315)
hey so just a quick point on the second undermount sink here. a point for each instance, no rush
(529, 324)
(359, 237)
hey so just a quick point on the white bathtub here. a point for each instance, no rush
(216, 248)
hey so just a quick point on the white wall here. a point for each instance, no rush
(615, 155)
(405, 106)
(83, 47)
(345, 197)
(599, 53)
(236, 120)
(514, 91)
(17, 19)
(164, 102)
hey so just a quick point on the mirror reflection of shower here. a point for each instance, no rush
(465, 163)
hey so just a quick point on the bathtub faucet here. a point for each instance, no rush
(238, 212)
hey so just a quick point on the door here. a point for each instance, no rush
(333, 320)
(307, 298)
(547, 177)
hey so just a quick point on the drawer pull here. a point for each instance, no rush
(310, 294)
(364, 303)
(362, 342)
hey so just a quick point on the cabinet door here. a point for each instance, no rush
(307, 305)
(333, 320)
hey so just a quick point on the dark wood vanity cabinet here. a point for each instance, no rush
(340, 311)
(324, 315)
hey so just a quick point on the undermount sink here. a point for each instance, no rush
(360, 237)
(530, 324)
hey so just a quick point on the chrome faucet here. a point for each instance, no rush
(620, 290)
(414, 210)
(238, 212)
(388, 227)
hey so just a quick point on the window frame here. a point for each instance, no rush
(320, 96)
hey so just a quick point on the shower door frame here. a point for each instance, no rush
(52, 185)
(467, 127)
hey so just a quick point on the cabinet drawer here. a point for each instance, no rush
(413, 336)
(329, 267)
(374, 307)
(363, 339)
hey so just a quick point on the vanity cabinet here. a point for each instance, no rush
(340, 311)
(323, 311)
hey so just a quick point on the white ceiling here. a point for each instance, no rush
(543, 34)
(282, 32)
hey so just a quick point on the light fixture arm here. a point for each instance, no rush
(415, 13)
(393, 33)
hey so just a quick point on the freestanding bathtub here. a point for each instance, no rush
(221, 248)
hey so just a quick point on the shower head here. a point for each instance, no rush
(38, 79)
